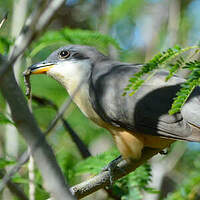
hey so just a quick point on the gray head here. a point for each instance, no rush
(66, 55)
(69, 64)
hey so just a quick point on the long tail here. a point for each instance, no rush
(191, 114)
(195, 136)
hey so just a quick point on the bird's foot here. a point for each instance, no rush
(111, 167)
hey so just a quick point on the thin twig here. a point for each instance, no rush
(85, 153)
(14, 188)
(31, 177)
(34, 25)
(25, 156)
(21, 161)
(54, 181)
(74, 136)
(79, 143)
(62, 109)
(44, 157)
(4, 19)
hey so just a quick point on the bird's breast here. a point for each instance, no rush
(82, 99)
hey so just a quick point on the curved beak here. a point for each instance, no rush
(40, 68)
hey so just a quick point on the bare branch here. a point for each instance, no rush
(22, 160)
(54, 181)
(79, 143)
(14, 188)
(103, 179)
(4, 19)
(62, 109)
(25, 156)
(34, 25)
(74, 136)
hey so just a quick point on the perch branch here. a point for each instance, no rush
(75, 137)
(103, 179)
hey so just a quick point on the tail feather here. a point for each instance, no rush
(195, 135)
(191, 109)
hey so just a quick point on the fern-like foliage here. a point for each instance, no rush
(175, 67)
(162, 60)
(74, 36)
(133, 185)
(187, 87)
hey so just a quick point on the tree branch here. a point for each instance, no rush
(14, 188)
(85, 153)
(74, 136)
(43, 155)
(34, 25)
(21, 161)
(4, 19)
(103, 179)
(25, 156)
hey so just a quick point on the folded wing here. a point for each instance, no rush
(147, 110)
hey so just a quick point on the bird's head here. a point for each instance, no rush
(69, 65)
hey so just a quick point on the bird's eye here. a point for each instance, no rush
(64, 54)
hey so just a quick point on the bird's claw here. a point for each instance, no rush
(111, 167)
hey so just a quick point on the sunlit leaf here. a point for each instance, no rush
(4, 163)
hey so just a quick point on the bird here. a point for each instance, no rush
(136, 121)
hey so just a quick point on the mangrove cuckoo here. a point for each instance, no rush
(136, 121)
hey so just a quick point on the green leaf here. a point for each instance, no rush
(5, 44)
(174, 68)
(4, 163)
(4, 119)
(74, 36)
(156, 62)
(19, 179)
(151, 190)
(186, 89)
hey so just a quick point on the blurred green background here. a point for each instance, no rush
(140, 29)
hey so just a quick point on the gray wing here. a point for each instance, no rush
(147, 110)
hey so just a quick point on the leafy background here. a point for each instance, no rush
(161, 33)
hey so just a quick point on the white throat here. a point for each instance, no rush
(71, 73)
(74, 74)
